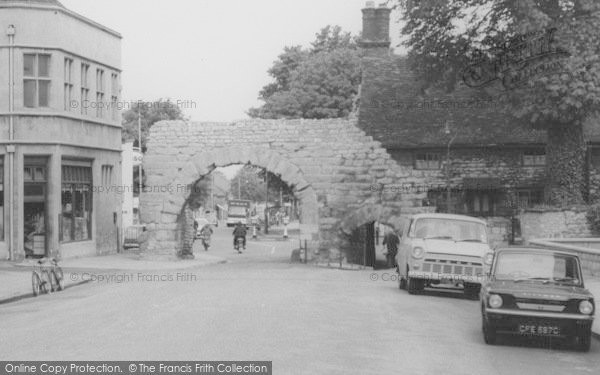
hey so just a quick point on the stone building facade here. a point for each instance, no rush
(492, 164)
(60, 132)
(333, 168)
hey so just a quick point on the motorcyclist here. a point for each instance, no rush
(239, 232)
(206, 232)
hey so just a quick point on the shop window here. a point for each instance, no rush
(1, 198)
(427, 160)
(34, 206)
(76, 200)
(36, 80)
(534, 158)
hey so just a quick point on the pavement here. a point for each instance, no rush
(15, 277)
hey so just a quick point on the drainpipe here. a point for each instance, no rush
(10, 148)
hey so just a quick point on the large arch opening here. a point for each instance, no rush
(172, 225)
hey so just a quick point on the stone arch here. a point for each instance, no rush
(340, 174)
(175, 216)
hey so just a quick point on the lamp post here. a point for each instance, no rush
(140, 166)
(267, 202)
(10, 149)
(448, 171)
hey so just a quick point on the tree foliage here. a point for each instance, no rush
(445, 38)
(252, 185)
(151, 113)
(319, 82)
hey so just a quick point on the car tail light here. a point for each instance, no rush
(495, 301)
(418, 252)
(586, 307)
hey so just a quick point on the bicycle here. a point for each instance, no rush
(56, 276)
(40, 279)
(47, 279)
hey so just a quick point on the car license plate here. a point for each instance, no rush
(539, 329)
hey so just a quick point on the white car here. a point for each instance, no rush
(443, 249)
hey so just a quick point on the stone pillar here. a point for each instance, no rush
(187, 243)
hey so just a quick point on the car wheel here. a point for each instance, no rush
(401, 280)
(584, 341)
(415, 286)
(489, 332)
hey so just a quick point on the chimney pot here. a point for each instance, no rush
(376, 27)
(370, 4)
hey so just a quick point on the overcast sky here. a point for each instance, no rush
(213, 53)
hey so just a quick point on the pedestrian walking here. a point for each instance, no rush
(391, 241)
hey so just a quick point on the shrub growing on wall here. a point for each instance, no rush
(593, 217)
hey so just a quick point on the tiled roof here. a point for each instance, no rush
(397, 112)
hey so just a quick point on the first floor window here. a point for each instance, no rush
(427, 160)
(534, 158)
(76, 199)
(36, 80)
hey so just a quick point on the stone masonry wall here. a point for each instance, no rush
(334, 169)
(545, 223)
(504, 164)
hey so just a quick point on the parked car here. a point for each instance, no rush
(199, 223)
(537, 292)
(443, 249)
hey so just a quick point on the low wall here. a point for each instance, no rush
(499, 230)
(555, 223)
(588, 250)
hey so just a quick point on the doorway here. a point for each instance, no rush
(35, 213)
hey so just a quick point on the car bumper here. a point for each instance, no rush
(477, 279)
(535, 323)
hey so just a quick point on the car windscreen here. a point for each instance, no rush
(452, 229)
(551, 267)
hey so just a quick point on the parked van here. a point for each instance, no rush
(443, 249)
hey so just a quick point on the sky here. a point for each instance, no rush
(212, 56)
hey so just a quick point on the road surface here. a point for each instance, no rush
(258, 306)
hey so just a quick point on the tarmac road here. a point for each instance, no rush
(258, 306)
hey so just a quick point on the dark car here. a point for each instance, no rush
(537, 292)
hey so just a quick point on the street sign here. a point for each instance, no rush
(138, 157)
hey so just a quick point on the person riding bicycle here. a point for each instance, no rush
(239, 232)
(206, 231)
(205, 234)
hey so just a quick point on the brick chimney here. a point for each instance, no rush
(376, 29)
